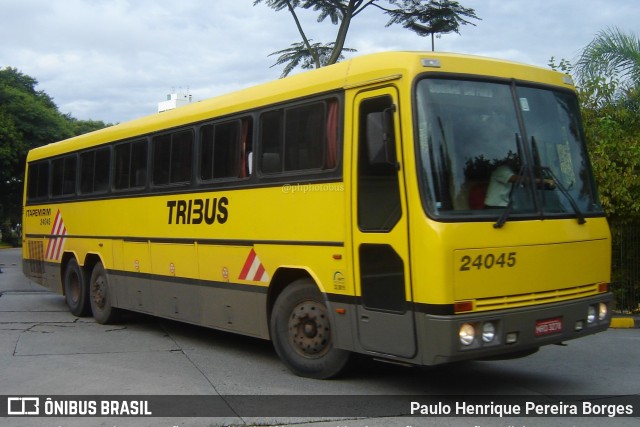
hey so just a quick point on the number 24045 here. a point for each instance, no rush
(488, 261)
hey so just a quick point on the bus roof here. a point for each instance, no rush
(358, 71)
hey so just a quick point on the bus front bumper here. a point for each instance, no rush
(509, 333)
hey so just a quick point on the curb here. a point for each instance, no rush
(625, 323)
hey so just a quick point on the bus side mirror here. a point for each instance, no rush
(381, 137)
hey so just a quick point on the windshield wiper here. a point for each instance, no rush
(547, 170)
(507, 210)
(565, 193)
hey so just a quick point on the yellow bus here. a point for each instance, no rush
(420, 208)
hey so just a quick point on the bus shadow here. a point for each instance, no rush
(367, 374)
(507, 377)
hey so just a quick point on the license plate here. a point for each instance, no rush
(548, 326)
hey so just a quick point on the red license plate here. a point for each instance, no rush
(548, 326)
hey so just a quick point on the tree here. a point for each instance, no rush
(80, 127)
(612, 131)
(425, 17)
(612, 54)
(608, 74)
(28, 119)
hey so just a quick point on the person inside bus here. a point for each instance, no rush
(501, 182)
(499, 188)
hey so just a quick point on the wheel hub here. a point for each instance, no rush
(309, 330)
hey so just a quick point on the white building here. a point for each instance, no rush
(174, 100)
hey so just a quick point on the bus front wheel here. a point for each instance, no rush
(101, 307)
(75, 289)
(301, 332)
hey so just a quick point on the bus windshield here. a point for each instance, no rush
(490, 147)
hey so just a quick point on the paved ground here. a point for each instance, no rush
(44, 350)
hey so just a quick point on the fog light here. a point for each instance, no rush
(579, 325)
(467, 334)
(512, 338)
(603, 311)
(591, 314)
(488, 332)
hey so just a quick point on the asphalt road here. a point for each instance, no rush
(46, 351)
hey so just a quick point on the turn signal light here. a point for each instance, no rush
(463, 306)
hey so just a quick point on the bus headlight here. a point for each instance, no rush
(467, 334)
(591, 314)
(488, 332)
(602, 311)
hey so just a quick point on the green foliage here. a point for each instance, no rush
(612, 54)
(610, 112)
(609, 90)
(80, 127)
(299, 55)
(28, 119)
(615, 154)
(424, 17)
(430, 17)
(612, 130)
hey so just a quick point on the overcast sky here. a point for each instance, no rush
(114, 60)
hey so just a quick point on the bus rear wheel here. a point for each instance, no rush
(101, 307)
(75, 289)
(301, 332)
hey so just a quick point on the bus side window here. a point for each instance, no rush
(94, 170)
(138, 172)
(64, 176)
(299, 138)
(181, 156)
(379, 207)
(38, 181)
(304, 137)
(130, 165)
(172, 158)
(220, 148)
(271, 139)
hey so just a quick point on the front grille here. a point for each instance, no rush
(534, 298)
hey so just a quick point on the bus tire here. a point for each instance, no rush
(76, 292)
(301, 332)
(99, 295)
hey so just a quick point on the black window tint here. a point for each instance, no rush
(122, 166)
(206, 152)
(94, 171)
(161, 159)
(272, 142)
(295, 139)
(172, 156)
(304, 137)
(38, 187)
(220, 150)
(87, 166)
(379, 201)
(138, 173)
(57, 177)
(131, 165)
(226, 153)
(64, 176)
(102, 169)
(181, 156)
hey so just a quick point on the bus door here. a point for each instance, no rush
(380, 227)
